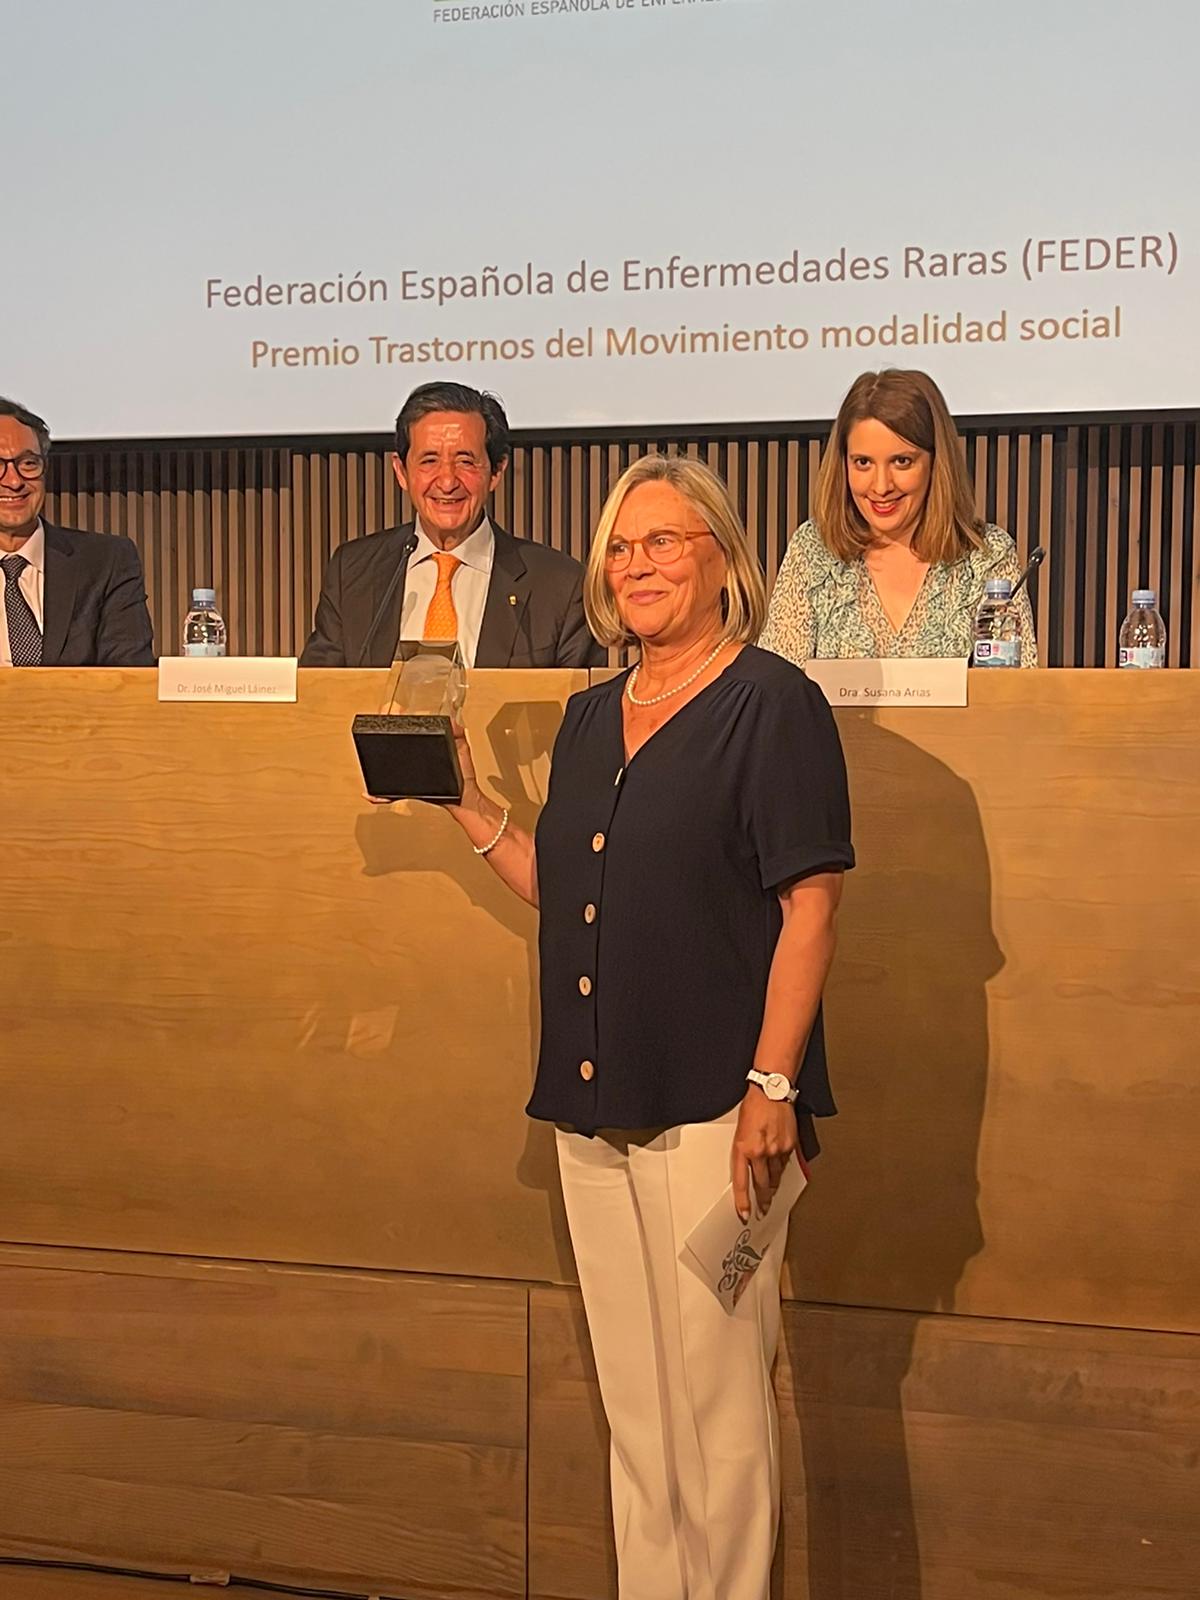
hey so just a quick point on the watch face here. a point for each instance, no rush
(777, 1086)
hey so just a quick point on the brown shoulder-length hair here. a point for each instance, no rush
(912, 405)
(744, 604)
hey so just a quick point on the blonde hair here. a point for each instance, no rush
(745, 594)
(912, 405)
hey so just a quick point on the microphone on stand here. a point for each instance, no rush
(1035, 560)
(407, 545)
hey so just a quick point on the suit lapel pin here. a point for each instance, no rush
(512, 599)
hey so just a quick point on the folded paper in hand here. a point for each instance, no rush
(724, 1252)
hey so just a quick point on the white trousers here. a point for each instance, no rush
(686, 1387)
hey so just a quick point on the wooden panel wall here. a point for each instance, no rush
(339, 1432)
(207, 934)
(1114, 503)
(189, 1418)
(227, 979)
(313, 1034)
(923, 1458)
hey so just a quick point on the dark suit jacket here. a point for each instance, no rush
(533, 615)
(93, 601)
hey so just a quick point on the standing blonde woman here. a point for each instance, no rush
(894, 560)
(688, 865)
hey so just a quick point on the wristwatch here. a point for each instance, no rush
(775, 1085)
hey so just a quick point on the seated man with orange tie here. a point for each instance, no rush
(67, 598)
(452, 573)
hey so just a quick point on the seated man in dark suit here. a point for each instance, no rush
(67, 599)
(452, 573)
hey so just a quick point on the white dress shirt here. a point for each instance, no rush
(32, 585)
(468, 587)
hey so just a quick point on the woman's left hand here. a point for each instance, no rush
(763, 1143)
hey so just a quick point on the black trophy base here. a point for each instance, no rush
(408, 758)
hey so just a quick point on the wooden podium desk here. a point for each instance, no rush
(285, 1282)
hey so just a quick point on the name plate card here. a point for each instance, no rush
(225, 678)
(892, 681)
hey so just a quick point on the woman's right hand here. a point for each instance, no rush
(486, 823)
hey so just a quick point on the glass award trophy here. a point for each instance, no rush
(407, 750)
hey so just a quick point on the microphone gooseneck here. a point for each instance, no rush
(407, 546)
(1035, 561)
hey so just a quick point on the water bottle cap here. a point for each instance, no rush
(204, 597)
(998, 588)
(1145, 597)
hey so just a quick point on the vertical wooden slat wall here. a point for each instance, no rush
(1113, 503)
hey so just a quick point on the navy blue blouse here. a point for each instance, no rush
(658, 882)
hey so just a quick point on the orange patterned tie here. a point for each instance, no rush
(441, 620)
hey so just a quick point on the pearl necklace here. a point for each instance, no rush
(679, 687)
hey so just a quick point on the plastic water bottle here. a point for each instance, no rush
(204, 632)
(997, 627)
(1143, 637)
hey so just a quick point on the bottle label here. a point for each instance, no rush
(997, 653)
(1141, 655)
(204, 649)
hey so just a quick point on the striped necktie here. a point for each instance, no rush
(24, 635)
